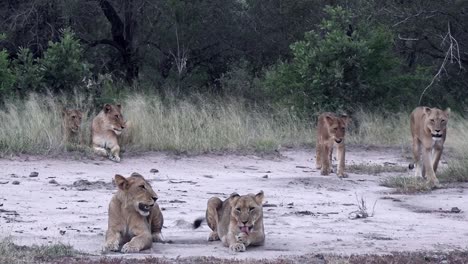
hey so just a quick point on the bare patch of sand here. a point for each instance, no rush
(305, 212)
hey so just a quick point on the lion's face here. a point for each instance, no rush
(337, 127)
(436, 121)
(138, 192)
(72, 118)
(246, 210)
(115, 121)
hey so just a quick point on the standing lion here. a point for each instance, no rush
(331, 130)
(428, 131)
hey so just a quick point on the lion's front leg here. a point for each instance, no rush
(256, 238)
(114, 153)
(233, 244)
(138, 243)
(429, 170)
(99, 150)
(438, 148)
(113, 240)
(325, 157)
(341, 160)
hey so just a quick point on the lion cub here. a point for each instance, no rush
(331, 130)
(106, 126)
(135, 220)
(428, 130)
(71, 125)
(236, 221)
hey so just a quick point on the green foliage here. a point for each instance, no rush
(27, 72)
(7, 78)
(339, 66)
(64, 66)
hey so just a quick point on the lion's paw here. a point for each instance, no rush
(114, 158)
(213, 236)
(238, 247)
(128, 248)
(325, 171)
(157, 237)
(342, 175)
(241, 238)
(112, 246)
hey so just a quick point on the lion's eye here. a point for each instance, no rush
(443, 120)
(432, 120)
(238, 209)
(335, 129)
(73, 117)
(251, 209)
(142, 186)
(117, 116)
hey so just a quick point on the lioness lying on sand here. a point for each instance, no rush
(331, 130)
(135, 220)
(236, 221)
(428, 130)
(106, 126)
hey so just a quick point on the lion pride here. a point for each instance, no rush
(106, 126)
(331, 130)
(236, 221)
(135, 220)
(428, 131)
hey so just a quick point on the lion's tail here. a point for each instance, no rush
(197, 223)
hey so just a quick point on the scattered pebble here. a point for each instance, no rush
(4, 182)
(53, 181)
(62, 232)
(34, 174)
(265, 177)
(154, 170)
(455, 210)
(15, 182)
(177, 201)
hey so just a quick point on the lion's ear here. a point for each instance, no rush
(447, 111)
(346, 119)
(329, 120)
(233, 198)
(64, 111)
(107, 108)
(136, 174)
(259, 197)
(119, 107)
(427, 110)
(121, 182)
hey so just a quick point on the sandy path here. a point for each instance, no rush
(308, 213)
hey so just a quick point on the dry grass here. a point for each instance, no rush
(196, 124)
(12, 254)
(406, 184)
(374, 169)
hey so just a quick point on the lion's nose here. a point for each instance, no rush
(155, 198)
(437, 130)
(245, 222)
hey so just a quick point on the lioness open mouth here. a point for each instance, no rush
(437, 135)
(144, 207)
(246, 229)
(338, 141)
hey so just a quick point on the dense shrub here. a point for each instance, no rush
(342, 65)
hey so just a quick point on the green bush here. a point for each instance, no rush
(27, 72)
(64, 66)
(340, 66)
(7, 78)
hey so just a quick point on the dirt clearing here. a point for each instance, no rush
(44, 201)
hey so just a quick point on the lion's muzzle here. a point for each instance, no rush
(145, 207)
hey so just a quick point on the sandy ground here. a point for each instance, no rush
(305, 212)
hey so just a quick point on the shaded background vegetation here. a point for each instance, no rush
(298, 54)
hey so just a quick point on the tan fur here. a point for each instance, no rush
(428, 131)
(105, 129)
(131, 229)
(226, 218)
(331, 130)
(71, 126)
